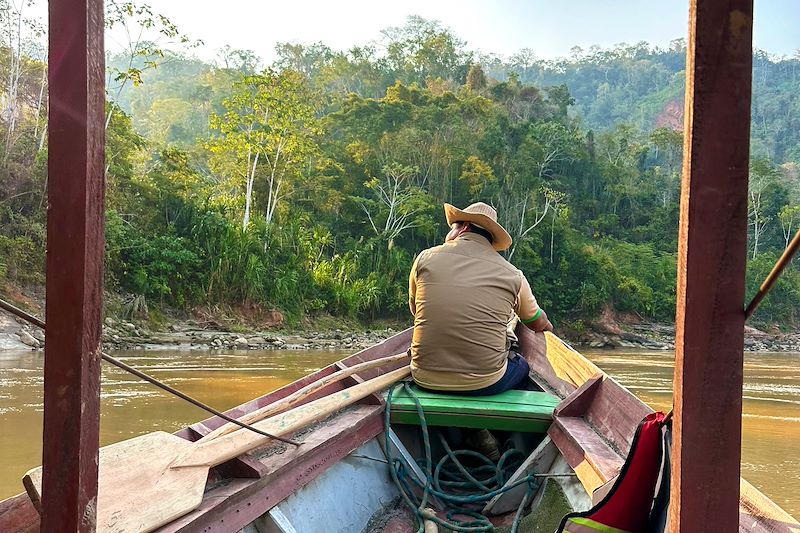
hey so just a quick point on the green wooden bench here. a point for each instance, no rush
(513, 410)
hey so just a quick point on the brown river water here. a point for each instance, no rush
(770, 447)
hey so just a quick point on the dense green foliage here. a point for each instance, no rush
(311, 185)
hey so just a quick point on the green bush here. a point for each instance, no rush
(783, 301)
(164, 268)
(22, 259)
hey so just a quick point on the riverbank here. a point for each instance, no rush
(252, 327)
(193, 335)
(188, 335)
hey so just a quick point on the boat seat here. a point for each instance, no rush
(513, 410)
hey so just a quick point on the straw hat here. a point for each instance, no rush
(482, 215)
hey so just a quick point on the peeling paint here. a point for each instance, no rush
(89, 519)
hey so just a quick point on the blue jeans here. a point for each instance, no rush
(516, 377)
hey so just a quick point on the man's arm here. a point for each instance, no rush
(539, 322)
(529, 311)
(412, 287)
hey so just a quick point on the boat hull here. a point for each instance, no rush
(592, 430)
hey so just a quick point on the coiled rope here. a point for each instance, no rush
(464, 490)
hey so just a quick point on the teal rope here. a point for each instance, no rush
(467, 490)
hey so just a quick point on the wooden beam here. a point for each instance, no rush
(75, 247)
(712, 251)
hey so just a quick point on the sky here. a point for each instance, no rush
(550, 28)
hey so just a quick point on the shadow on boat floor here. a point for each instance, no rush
(395, 517)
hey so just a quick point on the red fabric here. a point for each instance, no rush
(628, 505)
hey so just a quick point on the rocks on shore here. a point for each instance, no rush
(605, 333)
(662, 337)
(28, 340)
(118, 335)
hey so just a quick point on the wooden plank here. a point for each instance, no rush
(615, 414)
(757, 513)
(239, 502)
(513, 403)
(18, 515)
(509, 399)
(593, 460)
(200, 429)
(355, 379)
(712, 253)
(169, 473)
(74, 270)
(395, 344)
(554, 364)
(499, 423)
(578, 403)
(305, 394)
(538, 462)
(209, 453)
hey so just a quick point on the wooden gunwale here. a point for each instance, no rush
(253, 484)
(562, 370)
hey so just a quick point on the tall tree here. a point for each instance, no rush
(763, 176)
(145, 34)
(270, 121)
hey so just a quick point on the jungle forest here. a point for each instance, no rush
(309, 184)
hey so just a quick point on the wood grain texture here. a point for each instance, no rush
(216, 451)
(615, 414)
(137, 488)
(392, 345)
(712, 253)
(758, 514)
(559, 367)
(233, 505)
(18, 515)
(594, 461)
(304, 394)
(74, 270)
(168, 474)
(579, 401)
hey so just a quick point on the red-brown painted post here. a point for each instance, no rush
(712, 251)
(75, 243)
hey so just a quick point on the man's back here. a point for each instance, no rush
(463, 294)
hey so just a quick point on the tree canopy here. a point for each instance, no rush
(311, 184)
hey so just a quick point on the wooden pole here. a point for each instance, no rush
(712, 251)
(773, 276)
(75, 247)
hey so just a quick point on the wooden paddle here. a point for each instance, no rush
(284, 404)
(149, 481)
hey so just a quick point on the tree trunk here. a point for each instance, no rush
(248, 199)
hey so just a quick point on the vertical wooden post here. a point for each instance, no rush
(712, 251)
(75, 247)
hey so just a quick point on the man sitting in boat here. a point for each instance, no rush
(463, 294)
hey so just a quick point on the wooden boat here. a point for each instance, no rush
(336, 481)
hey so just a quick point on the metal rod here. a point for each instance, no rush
(116, 362)
(21, 314)
(773, 276)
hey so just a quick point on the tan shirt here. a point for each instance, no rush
(462, 295)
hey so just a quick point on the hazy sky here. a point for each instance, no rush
(550, 28)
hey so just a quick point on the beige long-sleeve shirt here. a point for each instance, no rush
(462, 295)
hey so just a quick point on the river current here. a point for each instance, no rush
(771, 424)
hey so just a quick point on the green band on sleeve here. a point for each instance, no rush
(534, 318)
